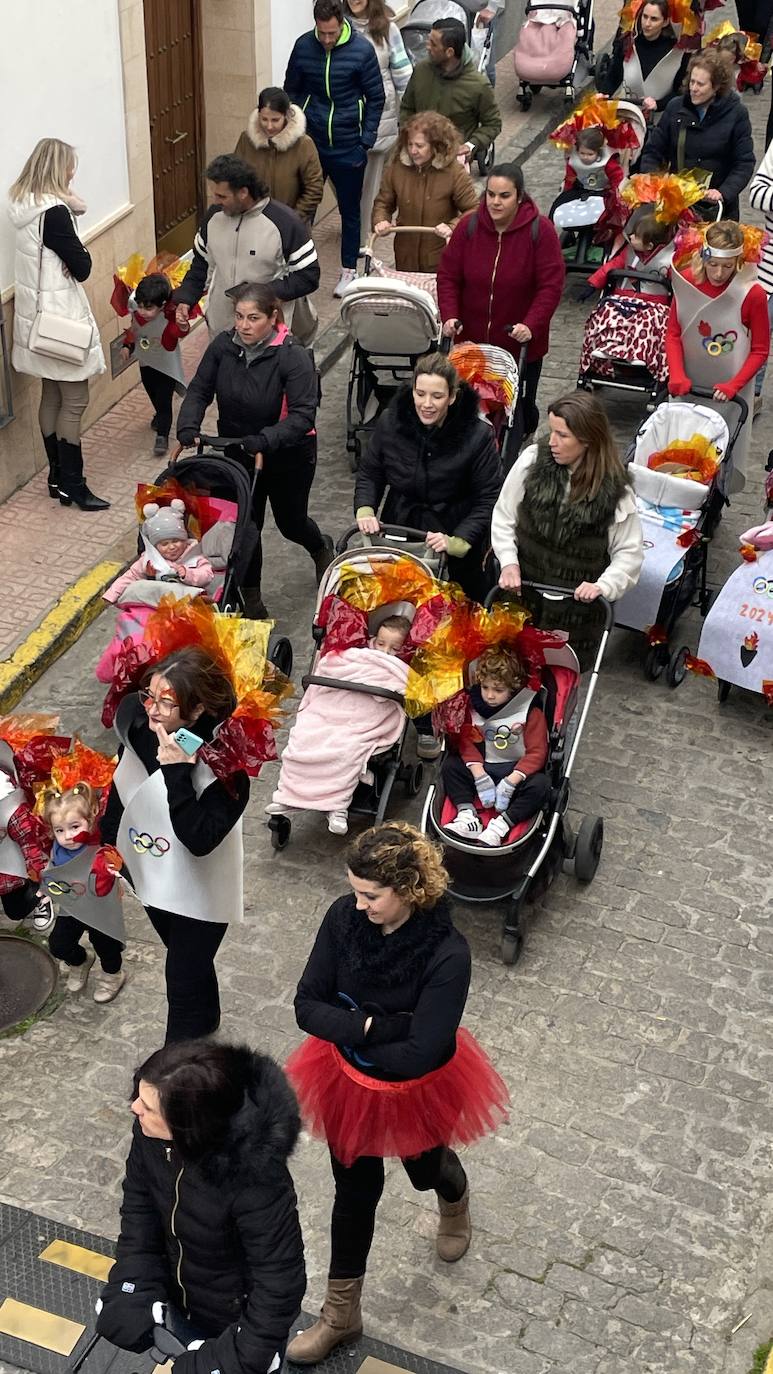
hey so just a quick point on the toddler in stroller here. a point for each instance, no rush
(627, 329)
(598, 139)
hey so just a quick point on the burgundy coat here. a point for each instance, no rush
(488, 285)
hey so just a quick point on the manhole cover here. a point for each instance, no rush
(28, 976)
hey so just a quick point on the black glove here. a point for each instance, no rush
(386, 1030)
(187, 437)
(253, 443)
(126, 1319)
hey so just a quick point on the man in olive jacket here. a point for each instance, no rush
(449, 83)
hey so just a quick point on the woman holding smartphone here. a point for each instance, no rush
(178, 828)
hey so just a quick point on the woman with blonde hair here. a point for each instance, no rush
(386, 1070)
(566, 516)
(426, 185)
(51, 263)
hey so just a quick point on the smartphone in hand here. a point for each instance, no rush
(187, 741)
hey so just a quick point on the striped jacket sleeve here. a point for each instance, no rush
(194, 283)
(761, 197)
(400, 65)
(301, 264)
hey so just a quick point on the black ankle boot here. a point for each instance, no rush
(72, 487)
(51, 445)
(254, 606)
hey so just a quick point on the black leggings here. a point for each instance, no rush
(64, 943)
(526, 800)
(160, 389)
(358, 1193)
(285, 482)
(192, 994)
(20, 901)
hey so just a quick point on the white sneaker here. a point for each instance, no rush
(77, 977)
(42, 916)
(468, 824)
(346, 278)
(108, 985)
(496, 832)
(429, 747)
(338, 822)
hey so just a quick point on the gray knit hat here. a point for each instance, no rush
(164, 522)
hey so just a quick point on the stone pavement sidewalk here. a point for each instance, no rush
(47, 548)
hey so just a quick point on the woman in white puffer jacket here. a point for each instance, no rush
(51, 263)
(373, 20)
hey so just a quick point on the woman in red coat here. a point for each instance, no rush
(500, 279)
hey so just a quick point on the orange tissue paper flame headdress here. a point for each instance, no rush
(669, 193)
(692, 240)
(696, 459)
(400, 579)
(19, 730)
(82, 764)
(592, 111)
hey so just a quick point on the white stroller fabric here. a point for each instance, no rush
(388, 317)
(737, 635)
(579, 213)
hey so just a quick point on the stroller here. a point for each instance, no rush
(576, 219)
(415, 32)
(496, 377)
(679, 518)
(391, 324)
(625, 301)
(385, 768)
(536, 850)
(554, 38)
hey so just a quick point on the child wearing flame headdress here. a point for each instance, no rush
(24, 844)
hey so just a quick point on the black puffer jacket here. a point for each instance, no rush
(721, 144)
(220, 1239)
(445, 478)
(251, 398)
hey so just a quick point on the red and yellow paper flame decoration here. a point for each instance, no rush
(591, 111)
(656, 634)
(748, 553)
(19, 730)
(767, 690)
(696, 459)
(692, 238)
(82, 764)
(699, 666)
(493, 388)
(669, 193)
(163, 494)
(402, 579)
(135, 268)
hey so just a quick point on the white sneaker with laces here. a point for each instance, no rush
(468, 824)
(42, 916)
(496, 832)
(77, 977)
(346, 278)
(338, 822)
(108, 985)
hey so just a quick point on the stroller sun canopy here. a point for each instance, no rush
(420, 21)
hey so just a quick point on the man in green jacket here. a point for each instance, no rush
(449, 83)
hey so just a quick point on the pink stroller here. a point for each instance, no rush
(553, 40)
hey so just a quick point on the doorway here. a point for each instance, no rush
(173, 55)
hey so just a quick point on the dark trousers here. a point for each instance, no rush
(160, 389)
(64, 943)
(358, 1193)
(526, 800)
(193, 998)
(347, 182)
(285, 483)
(526, 417)
(20, 902)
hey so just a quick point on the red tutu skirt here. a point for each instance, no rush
(357, 1115)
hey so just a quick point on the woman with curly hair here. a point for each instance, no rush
(427, 186)
(387, 1071)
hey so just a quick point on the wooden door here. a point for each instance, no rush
(173, 54)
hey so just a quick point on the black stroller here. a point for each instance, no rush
(538, 849)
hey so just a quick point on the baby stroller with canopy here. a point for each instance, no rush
(577, 219)
(678, 463)
(633, 303)
(553, 40)
(535, 851)
(415, 32)
(496, 377)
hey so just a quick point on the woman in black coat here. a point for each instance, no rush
(441, 465)
(386, 1069)
(209, 1221)
(267, 393)
(706, 128)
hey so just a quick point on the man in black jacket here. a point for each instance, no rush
(246, 236)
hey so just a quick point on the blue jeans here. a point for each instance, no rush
(347, 182)
(760, 377)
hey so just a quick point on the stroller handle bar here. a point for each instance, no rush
(401, 229)
(554, 594)
(216, 442)
(400, 533)
(319, 680)
(706, 393)
(637, 274)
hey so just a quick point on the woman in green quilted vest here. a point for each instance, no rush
(566, 516)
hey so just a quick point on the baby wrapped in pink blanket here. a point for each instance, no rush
(337, 731)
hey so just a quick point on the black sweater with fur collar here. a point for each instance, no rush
(219, 1238)
(414, 983)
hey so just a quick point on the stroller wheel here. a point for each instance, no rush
(525, 101)
(280, 828)
(723, 689)
(587, 852)
(655, 662)
(511, 948)
(280, 653)
(413, 778)
(677, 667)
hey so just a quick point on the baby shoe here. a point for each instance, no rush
(338, 822)
(468, 824)
(496, 831)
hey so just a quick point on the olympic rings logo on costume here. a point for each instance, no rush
(718, 344)
(142, 843)
(58, 887)
(763, 586)
(502, 736)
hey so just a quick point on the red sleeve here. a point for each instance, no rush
(469, 751)
(535, 740)
(570, 177)
(173, 332)
(127, 338)
(678, 381)
(549, 276)
(754, 315)
(450, 272)
(615, 173)
(599, 277)
(28, 833)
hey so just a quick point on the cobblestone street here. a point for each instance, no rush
(621, 1218)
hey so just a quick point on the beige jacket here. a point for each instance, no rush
(288, 163)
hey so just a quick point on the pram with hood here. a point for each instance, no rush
(535, 851)
(366, 554)
(679, 517)
(553, 40)
(644, 295)
(415, 32)
(577, 219)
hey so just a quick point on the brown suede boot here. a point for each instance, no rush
(454, 1231)
(340, 1320)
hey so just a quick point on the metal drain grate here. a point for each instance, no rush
(28, 976)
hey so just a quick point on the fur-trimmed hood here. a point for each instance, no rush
(438, 162)
(287, 137)
(263, 1132)
(462, 415)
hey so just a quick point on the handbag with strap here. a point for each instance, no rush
(56, 336)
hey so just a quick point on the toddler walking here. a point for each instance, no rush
(156, 333)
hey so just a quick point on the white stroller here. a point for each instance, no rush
(679, 517)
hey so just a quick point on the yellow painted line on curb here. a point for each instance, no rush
(59, 628)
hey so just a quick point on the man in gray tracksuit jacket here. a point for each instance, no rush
(246, 236)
